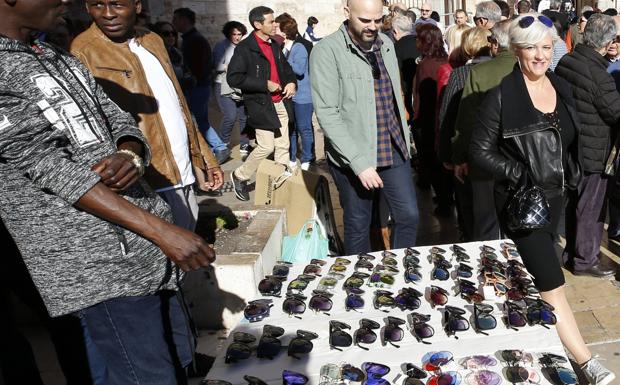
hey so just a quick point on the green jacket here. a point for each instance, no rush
(482, 78)
(343, 95)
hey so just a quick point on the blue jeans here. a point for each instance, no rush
(198, 101)
(303, 126)
(356, 203)
(231, 111)
(141, 340)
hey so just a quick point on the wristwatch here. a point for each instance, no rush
(135, 159)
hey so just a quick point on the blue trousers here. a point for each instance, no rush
(231, 111)
(303, 129)
(138, 340)
(356, 203)
(198, 101)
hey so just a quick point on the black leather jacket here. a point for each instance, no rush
(509, 135)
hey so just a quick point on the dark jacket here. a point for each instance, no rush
(249, 71)
(197, 56)
(597, 101)
(406, 53)
(511, 134)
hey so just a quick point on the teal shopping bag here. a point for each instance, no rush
(309, 243)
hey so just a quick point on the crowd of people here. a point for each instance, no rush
(106, 140)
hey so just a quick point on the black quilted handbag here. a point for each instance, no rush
(528, 208)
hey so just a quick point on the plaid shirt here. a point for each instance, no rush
(389, 130)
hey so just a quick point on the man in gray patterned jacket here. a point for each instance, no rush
(96, 239)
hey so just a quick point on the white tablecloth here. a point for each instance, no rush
(531, 339)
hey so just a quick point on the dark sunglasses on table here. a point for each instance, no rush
(374, 64)
(454, 321)
(302, 343)
(257, 310)
(254, 380)
(271, 286)
(356, 279)
(527, 21)
(552, 364)
(449, 378)
(540, 312)
(354, 299)
(438, 296)
(408, 298)
(300, 283)
(338, 337)
(383, 299)
(269, 345)
(464, 270)
(240, 348)
(380, 279)
(440, 271)
(392, 332)
(375, 373)
(281, 269)
(314, 267)
(293, 378)
(483, 319)
(294, 305)
(515, 357)
(386, 269)
(365, 334)
(321, 301)
(413, 274)
(411, 251)
(420, 327)
(411, 260)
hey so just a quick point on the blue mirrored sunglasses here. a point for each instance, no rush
(529, 20)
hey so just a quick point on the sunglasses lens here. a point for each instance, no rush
(394, 334)
(354, 301)
(365, 336)
(464, 273)
(268, 347)
(517, 374)
(483, 377)
(441, 274)
(293, 378)
(340, 338)
(255, 312)
(516, 319)
(566, 376)
(237, 351)
(300, 346)
(269, 286)
(423, 331)
(412, 275)
(293, 306)
(486, 322)
(280, 270)
(408, 302)
(438, 297)
(375, 370)
(440, 358)
(458, 324)
(352, 373)
(319, 303)
(312, 269)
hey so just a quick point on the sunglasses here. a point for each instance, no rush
(332, 374)
(300, 283)
(338, 337)
(478, 362)
(540, 312)
(271, 286)
(269, 345)
(240, 348)
(383, 299)
(440, 271)
(445, 378)
(519, 374)
(302, 344)
(408, 298)
(483, 319)
(379, 279)
(374, 64)
(514, 315)
(420, 328)
(411, 251)
(464, 271)
(393, 332)
(293, 378)
(433, 361)
(281, 269)
(414, 375)
(355, 280)
(411, 261)
(559, 374)
(337, 268)
(412, 274)
(257, 310)
(342, 261)
(526, 21)
(320, 302)
(365, 334)
(454, 321)
(294, 305)
(483, 377)
(375, 372)
(354, 299)
(438, 296)
(515, 356)
(363, 264)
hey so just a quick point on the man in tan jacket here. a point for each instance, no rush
(134, 69)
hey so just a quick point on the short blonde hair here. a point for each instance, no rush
(522, 37)
(474, 40)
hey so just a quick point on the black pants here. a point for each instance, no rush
(486, 225)
(17, 361)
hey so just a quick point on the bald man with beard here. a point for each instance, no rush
(367, 152)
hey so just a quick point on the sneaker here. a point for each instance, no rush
(305, 166)
(245, 149)
(240, 186)
(596, 373)
(292, 164)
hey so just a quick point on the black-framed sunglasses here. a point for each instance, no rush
(483, 319)
(294, 305)
(302, 344)
(392, 332)
(321, 301)
(420, 327)
(257, 310)
(527, 21)
(269, 345)
(383, 299)
(365, 334)
(271, 285)
(354, 299)
(338, 337)
(374, 64)
(240, 348)
(454, 321)
(408, 298)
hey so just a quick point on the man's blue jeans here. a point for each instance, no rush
(141, 340)
(198, 101)
(303, 128)
(356, 203)
(231, 111)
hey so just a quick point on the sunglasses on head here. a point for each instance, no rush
(526, 21)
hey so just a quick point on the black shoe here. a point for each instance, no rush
(597, 271)
(241, 187)
(222, 156)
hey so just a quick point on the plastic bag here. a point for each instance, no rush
(309, 243)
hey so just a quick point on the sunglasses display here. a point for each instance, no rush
(483, 319)
(454, 321)
(257, 310)
(240, 348)
(392, 332)
(302, 344)
(366, 334)
(269, 345)
(420, 327)
(338, 337)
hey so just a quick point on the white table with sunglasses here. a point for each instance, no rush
(533, 340)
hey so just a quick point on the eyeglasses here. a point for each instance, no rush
(439, 296)
(408, 298)
(257, 310)
(240, 348)
(454, 321)
(393, 332)
(421, 329)
(365, 334)
(269, 345)
(526, 21)
(372, 60)
(294, 305)
(483, 319)
(293, 378)
(321, 301)
(354, 299)
(302, 344)
(337, 336)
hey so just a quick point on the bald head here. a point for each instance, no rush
(425, 11)
(365, 18)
